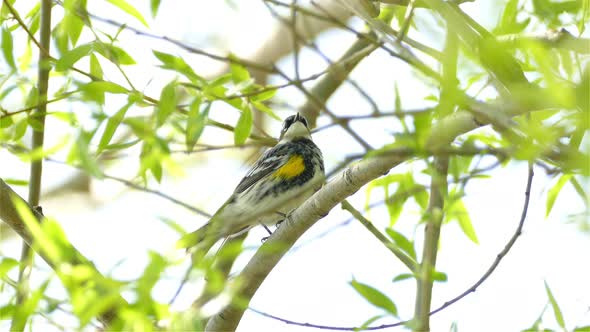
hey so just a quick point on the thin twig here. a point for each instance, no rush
(402, 256)
(504, 252)
(41, 103)
(407, 21)
(136, 186)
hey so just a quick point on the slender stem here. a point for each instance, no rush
(438, 191)
(402, 256)
(38, 116)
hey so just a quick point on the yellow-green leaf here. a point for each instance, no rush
(167, 103)
(103, 86)
(239, 73)
(6, 265)
(402, 242)
(263, 108)
(375, 297)
(95, 68)
(554, 191)
(126, 7)
(555, 306)
(154, 6)
(111, 127)
(7, 48)
(195, 123)
(243, 127)
(69, 58)
(460, 213)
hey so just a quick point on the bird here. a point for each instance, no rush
(279, 181)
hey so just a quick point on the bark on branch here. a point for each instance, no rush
(10, 215)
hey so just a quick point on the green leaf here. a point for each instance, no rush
(121, 146)
(264, 95)
(6, 265)
(20, 129)
(150, 276)
(460, 213)
(402, 242)
(554, 192)
(95, 68)
(111, 126)
(178, 64)
(580, 190)
(71, 25)
(126, 7)
(422, 124)
(26, 309)
(364, 326)
(16, 182)
(7, 311)
(421, 198)
(439, 276)
(195, 123)
(80, 152)
(243, 127)
(239, 73)
(585, 17)
(7, 48)
(72, 56)
(167, 104)
(41, 239)
(375, 297)
(261, 107)
(103, 86)
(6, 122)
(154, 6)
(555, 306)
(403, 276)
(114, 54)
(96, 90)
(508, 20)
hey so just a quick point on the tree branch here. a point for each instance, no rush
(26, 259)
(552, 38)
(10, 215)
(434, 213)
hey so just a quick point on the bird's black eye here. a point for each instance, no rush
(288, 122)
(303, 120)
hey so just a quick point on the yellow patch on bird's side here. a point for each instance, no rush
(292, 168)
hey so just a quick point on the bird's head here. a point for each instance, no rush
(295, 126)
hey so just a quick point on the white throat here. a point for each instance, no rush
(297, 129)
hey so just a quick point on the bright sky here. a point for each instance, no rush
(116, 227)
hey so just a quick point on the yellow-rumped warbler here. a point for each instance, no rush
(283, 178)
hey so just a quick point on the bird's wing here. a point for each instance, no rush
(270, 161)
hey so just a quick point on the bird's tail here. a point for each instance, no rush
(201, 240)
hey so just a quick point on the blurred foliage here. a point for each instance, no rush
(516, 61)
